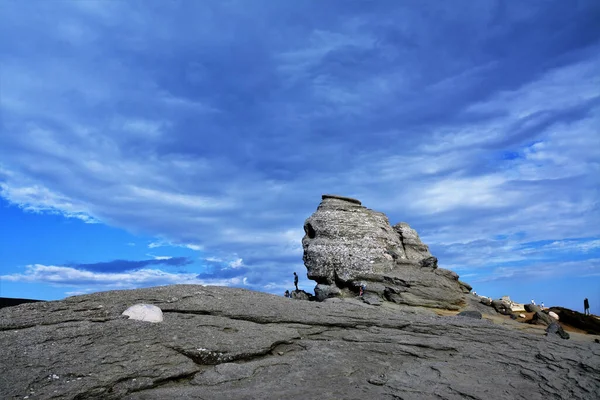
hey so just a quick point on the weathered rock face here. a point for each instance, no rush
(223, 343)
(347, 245)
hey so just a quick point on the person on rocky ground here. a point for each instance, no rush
(586, 306)
(296, 281)
(287, 294)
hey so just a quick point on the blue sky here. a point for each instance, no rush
(149, 142)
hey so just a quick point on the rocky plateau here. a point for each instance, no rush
(415, 333)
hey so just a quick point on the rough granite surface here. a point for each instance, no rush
(347, 245)
(224, 343)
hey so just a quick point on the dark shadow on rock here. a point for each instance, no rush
(587, 323)
(10, 302)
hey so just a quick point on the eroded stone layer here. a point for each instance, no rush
(347, 245)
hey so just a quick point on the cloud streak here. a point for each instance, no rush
(130, 265)
(73, 277)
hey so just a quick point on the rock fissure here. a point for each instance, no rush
(208, 357)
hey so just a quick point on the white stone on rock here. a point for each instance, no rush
(522, 316)
(553, 315)
(144, 312)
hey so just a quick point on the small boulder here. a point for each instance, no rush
(323, 292)
(541, 318)
(470, 314)
(532, 308)
(144, 312)
(485, 300)
(553, 315)
(555, 328)
(522, 316)
(301, 295)
(502, 307)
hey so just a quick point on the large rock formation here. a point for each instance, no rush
(222, 343)
(347, 245)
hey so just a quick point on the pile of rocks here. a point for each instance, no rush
(347, 245)
(544, 317)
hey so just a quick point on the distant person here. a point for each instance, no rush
(542, 305)
(586, 306)
(287, 294)
(296, 281)
(533, 302)
(361, 290)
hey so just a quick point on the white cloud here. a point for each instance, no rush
(237, 263)
(72, 277)
(163, 243)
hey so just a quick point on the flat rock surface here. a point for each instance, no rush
(223, 343)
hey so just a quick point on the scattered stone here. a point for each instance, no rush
(555, 328)
(553, 315)
(144, 312)
(470, 314)
(522, 316)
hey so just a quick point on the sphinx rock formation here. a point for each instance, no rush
(347, 245)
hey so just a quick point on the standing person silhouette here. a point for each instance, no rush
(296, 281)
(586, 306)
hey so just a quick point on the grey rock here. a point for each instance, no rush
(323, 292)
(413, 247)
(429, 262)
(470, 314)
(371, 299)
(301, 295)
(474, 303)
(502, 307)
(556, 329)
(541, 318)
(485, 300)
(346, 244)
(225, 343)
(466, 288)
(532, 308)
